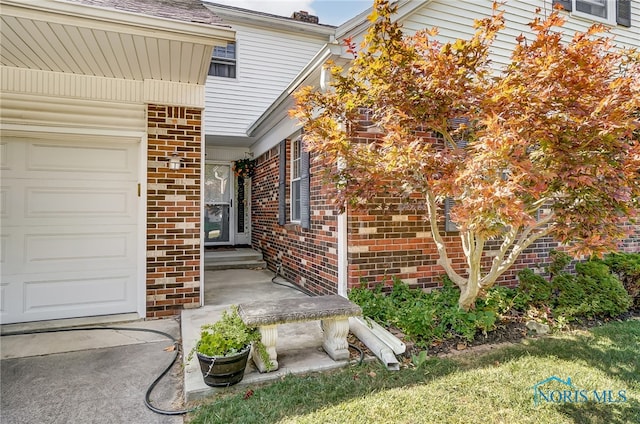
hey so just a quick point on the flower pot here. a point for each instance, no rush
(223, 371)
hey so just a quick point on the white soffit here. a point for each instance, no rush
(77, 39)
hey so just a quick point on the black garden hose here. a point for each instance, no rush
(147, 397)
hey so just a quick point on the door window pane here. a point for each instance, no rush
(216, 183)
(217, 203)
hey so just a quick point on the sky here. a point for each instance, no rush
(330, 12)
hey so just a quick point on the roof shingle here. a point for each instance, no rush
(181, 10)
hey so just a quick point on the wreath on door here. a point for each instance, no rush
(244, 168)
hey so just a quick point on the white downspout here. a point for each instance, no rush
(342, 254)
(343, 240)
(377, 346)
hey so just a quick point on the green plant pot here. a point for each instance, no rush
(223, 371)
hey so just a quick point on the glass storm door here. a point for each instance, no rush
(218, 204)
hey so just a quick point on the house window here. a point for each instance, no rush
(608, 11)
(295, 178)
(449, 203)
(223, 61)
(598, 9)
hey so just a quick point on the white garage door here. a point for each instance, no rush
(69, 227)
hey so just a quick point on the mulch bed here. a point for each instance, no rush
(512, 330)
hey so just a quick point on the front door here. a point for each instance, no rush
(218, 204)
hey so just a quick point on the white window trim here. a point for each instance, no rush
(226, 61)
(295, 161)
(611, 13)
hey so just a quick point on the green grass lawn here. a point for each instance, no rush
(494, 387)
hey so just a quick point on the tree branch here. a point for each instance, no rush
(443, 261)
(447, 137)
(538, 204)
(528, 236)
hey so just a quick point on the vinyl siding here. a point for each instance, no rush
(267, 61)
(455, 20)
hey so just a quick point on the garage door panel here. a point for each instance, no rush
(3, 297)
(64, 159)
(8, 257)
(77, 202)
(4, 156)
(60, 295)
(86, 159)
(4, 204)
(52, 250)
(87, 290)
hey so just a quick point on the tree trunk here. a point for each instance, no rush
(468, 295)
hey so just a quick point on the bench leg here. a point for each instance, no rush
(269, 335)
(335, 338)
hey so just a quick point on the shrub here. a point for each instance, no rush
(592, 292)
(374, 303)
(501, 300)
(428, 317)
(535, 289)
(424, 317)
(608, 295)
(559, 261)
(627, 268)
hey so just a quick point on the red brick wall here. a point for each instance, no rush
(307, 257)
(632, 243)
(387, 241)
(397, 242)
(173, 210)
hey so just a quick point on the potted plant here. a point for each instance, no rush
(223, 349)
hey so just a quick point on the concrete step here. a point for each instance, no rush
(233, 258)
(240, 264)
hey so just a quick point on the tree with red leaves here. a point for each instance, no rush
(547, 146)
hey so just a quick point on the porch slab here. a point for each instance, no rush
(299, 344)
(299, 351)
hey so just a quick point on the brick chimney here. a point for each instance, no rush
(303, 16)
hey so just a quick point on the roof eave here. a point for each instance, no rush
(360, 22)
(107, 18)
(270, 21)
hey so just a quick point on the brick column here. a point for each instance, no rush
(173, 210)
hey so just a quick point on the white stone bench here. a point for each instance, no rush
(334, 312)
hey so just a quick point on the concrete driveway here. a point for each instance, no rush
(98, 376)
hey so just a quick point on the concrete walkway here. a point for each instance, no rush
(101, 376)
(96, 376)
